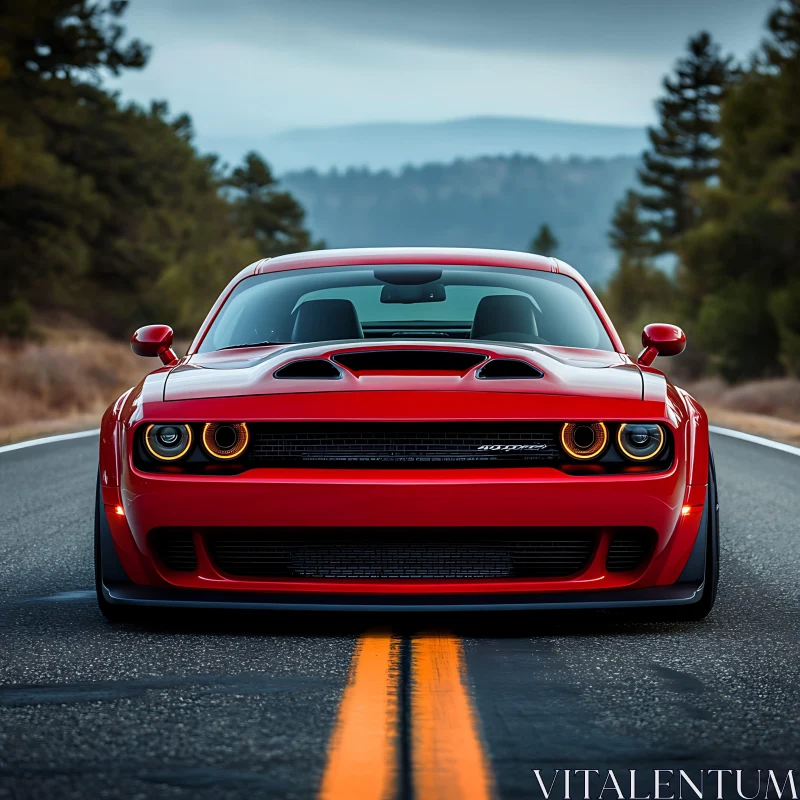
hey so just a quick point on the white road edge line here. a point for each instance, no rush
(63, 437)
(748, 437)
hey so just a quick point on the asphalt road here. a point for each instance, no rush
(200, 706)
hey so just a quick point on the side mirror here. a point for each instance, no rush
(661, 339)
(154, 340)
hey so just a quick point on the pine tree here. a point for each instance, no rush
(545, 242)
(46, 39)
(783, 48)
(107, 212)
(630, 234)
(684, 147)
(740, 267)
(264, 213)
(638, 292)
(52, 55)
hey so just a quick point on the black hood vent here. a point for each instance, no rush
(409, 361)
(507, 368)
(310, 368)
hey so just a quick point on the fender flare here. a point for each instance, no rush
(109, 567)
(695, 569)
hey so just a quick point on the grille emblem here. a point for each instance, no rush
(506, 448)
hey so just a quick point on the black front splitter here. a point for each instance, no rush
(145, 596)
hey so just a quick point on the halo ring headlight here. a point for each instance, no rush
(639, 441)
(168, 442)
(584, 440)
(225, 440)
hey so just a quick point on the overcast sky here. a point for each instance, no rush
(267, 65)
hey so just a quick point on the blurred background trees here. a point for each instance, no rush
(109, 214)
(720, 195)
(684, 149)
(106, 210)
(545, 242)
(740, 265)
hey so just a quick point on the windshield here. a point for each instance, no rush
(408, 302)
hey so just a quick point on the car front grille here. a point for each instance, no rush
(398, 444)
(402, 553)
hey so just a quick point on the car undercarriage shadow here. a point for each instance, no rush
(467, 624)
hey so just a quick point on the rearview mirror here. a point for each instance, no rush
(423, 293)
(661, 339)
(154, 340)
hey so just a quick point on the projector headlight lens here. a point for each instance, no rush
(584, 440)
(639, 441)
(168, 442)
(225, 440)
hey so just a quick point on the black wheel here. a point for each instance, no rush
(110, 611)
(702, 608)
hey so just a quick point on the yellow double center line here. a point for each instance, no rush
(446, 755)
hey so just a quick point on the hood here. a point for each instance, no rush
(366, 366)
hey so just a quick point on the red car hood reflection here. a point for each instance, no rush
(251, 371)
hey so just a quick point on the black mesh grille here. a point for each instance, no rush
(420, 444)
(176, 550)
(628, 550)
(402, 553)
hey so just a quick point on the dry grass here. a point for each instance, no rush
(64, 382)
(781, 430)
(769, 408)
(778, 397)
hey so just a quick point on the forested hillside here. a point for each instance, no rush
(107, 212)
(393, 145)
(719, 191)
(483, 202)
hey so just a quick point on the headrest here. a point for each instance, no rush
(325, 321)
(509, 317)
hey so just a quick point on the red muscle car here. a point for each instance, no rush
(407, 429)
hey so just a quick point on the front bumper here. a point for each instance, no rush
(391, 499)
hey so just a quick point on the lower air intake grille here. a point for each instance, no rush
(176, 550)
(400, 553)
(628, 550)
(398, 444)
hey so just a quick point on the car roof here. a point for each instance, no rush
(413, 255)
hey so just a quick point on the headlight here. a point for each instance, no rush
(225, 440)
(640, 441)
(168, 442)
(584, 440)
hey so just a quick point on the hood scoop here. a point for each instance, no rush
(409, 360)
(309, 368)
(499, 369)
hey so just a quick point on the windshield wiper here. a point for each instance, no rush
(251, 344)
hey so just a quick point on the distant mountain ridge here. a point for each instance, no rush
(497, 202)
(393, 145)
